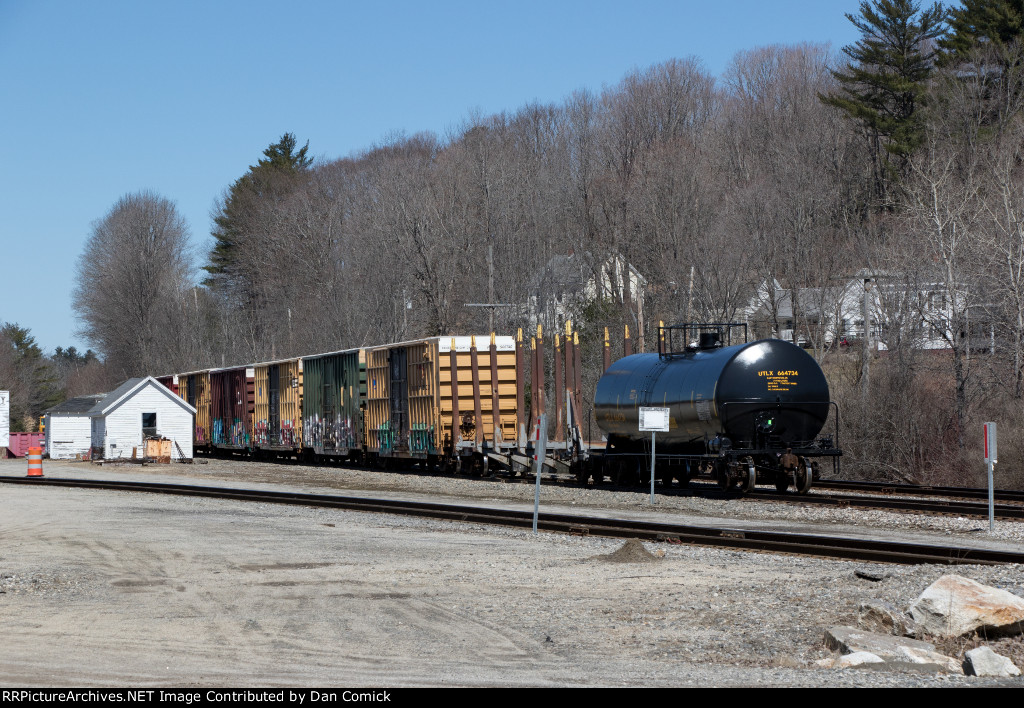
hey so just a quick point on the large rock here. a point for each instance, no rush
(954, 606)
(894, 652)
(882, 618)
(985, 662)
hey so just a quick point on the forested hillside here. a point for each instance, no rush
(894, 164)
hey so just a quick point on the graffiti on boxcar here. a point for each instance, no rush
(286, 437)
(321, 434)
(421, 439)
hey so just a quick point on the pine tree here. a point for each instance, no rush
(273, 173)
(26, 373)
(883, 86)
(995, 23)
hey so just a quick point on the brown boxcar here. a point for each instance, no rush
(277, 424)
(232, 404)
(410, 402)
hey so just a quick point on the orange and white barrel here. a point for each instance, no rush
(35, 462)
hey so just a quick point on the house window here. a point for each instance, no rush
(149, 425)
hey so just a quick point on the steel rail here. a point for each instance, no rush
(708, 489)
(733, 538)
(1003, 495)
(1004, 512)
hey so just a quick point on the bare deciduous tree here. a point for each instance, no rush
(132, 282)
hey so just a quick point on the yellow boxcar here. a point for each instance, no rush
(410, 402)
(277, 424)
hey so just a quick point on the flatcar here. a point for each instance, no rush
(743, 413)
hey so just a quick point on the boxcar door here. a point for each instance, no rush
(274, 405)
(399, 396)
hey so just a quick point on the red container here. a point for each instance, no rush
(21, 442)
(170, 382)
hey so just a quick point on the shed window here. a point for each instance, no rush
(149, 425)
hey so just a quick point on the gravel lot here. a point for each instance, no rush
(121, 589)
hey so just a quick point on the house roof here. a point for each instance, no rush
(128, 388)
(81, 404)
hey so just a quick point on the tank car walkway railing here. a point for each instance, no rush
(860, 549)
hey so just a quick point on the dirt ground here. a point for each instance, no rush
(122, 589)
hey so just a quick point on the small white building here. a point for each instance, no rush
(69, 428)
(139, 409)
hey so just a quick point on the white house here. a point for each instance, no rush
(919, 314)
(68, 428)
(568, 284)
(136, 410)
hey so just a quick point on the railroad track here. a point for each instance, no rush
(733, 538)
(1003, 512)
(878, 500)
(885, 488)
(872, 495)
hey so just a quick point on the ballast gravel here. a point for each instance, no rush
(115, 588)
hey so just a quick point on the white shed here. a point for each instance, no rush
(68, 428)
(138, 409)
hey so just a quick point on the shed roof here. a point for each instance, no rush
(81, 404)
(129, 387)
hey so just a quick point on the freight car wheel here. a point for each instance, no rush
(627, 474)
(665, 477)
(727, 473)
(804, 477)
(748, 475)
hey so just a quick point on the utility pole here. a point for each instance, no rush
(490, 304)
(866, 345)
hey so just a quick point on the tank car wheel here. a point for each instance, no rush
(748, 475)
(804, 477)
(627, 475)
(781, 482)
(725, 472)
(664, 476)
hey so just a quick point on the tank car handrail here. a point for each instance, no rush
(666, 350)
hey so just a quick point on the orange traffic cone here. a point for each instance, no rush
(35, 462)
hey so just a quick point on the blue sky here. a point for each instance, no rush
(106, 98)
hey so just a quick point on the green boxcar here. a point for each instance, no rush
(333, 401)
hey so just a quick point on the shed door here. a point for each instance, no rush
(399, 396)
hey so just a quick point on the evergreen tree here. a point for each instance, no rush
(272, 174)
(26, 373)
(882, 88)
(994, 23)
